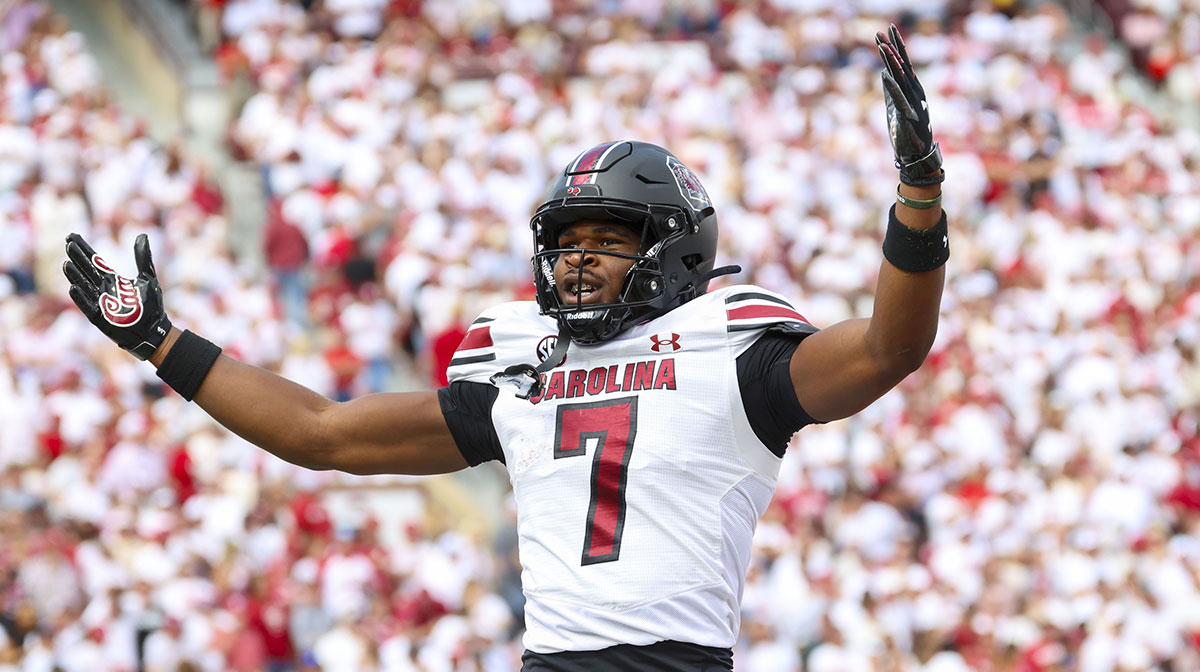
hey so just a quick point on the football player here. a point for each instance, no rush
(641, 418)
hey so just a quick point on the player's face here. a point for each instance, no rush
(602, 274)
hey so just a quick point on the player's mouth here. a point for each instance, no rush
(586, 292)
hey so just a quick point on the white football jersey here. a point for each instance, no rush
(638, 479)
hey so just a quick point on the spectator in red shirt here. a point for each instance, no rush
(287, 254)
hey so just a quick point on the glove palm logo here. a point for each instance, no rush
(125, 308)
(128, 310)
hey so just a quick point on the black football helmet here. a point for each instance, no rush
(643, 186)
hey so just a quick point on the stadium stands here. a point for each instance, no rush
(1028, 500)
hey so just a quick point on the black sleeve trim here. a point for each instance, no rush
(765, 381)
(467, 408)
(457, 361)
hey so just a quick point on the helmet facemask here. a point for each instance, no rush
(644, 290)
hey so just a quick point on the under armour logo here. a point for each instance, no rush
(658, 342)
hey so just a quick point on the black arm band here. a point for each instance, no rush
(765, 383)
(187, 363)
(467, 408)
(916, 250)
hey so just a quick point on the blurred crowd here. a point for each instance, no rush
(1029, 500)
(1163, 37)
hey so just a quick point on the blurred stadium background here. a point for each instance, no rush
(335, 188)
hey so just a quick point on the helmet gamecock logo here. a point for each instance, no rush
(545, 348)
(124, 309)
(659, 343)
(689, 184)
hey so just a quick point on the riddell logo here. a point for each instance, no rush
(124, 309)
(573, 191)
(545, 348)
(660, 344)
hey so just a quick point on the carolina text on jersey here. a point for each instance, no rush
(633, 377)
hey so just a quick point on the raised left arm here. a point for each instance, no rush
(841, 370)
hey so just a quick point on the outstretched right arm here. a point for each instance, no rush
(379, 433)
(400, 433)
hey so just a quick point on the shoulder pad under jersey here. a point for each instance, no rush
(748, 310)
(505, 334)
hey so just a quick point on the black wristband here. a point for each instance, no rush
(916, 250)
(187, 363)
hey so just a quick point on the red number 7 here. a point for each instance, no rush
(613, 424)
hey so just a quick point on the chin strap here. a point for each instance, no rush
(705, 277)
(716, 273)
(527, 378)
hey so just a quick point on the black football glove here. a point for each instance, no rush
(917, 155)
(129, 311)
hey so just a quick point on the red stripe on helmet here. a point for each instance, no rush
(588, 160)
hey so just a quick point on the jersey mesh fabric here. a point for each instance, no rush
(741, 508)
(623, 472)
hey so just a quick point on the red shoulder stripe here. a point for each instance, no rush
(760, 311)
(479, 337)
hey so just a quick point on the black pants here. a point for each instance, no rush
(658, 657)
